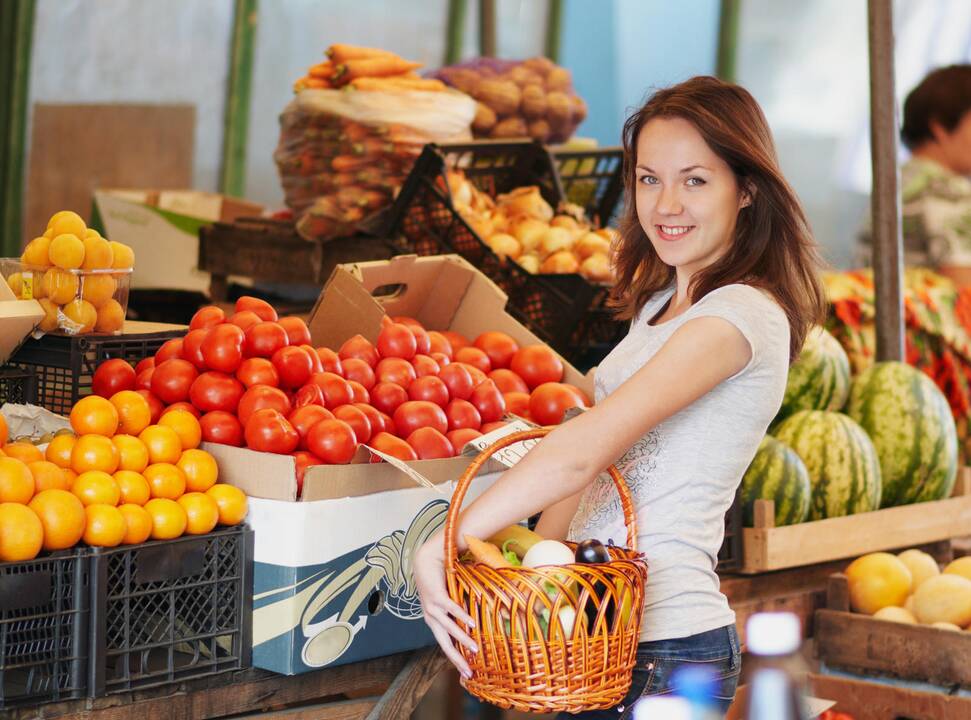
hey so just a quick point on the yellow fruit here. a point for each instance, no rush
(124, 256)
(186, 426)
(961, 566)
(909, 605)
(104, 527)
(37, 252)
(24, 451)
(201, 513)
(21, 533)
(50, 321)
(165, 481)
(81, 316)
(164, 445)
(98, 288)
(47, 475)
(62, 516)
(138, 524)
(98, 254)
(921, 565)
(67, 252)
(895, 614)
(16, 482)
(94, 415)
(231, 501)
(59, 285)
(96, 487)
(132, 453)
(15, 281)
(168, 518)
(32, 284)
(94, 452)
(946, 626)
(876, 581)
(67, 221)
(59, 450)
(133, 486)
(945, 598)
(134, 413)
(91, 233)
(201, 471)
(111, 317)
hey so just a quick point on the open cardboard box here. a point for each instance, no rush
(18, 318)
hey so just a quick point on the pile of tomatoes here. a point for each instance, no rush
(254, 379)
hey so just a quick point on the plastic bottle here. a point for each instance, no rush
(662, 707)
(697, 685)
(777, 686)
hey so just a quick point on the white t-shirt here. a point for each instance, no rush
(684, 472)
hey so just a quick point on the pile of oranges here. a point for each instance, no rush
(120, 480)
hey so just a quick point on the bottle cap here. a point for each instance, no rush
(773, 633)
(662, 707)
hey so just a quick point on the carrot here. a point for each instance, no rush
(323, 70)
(374, 67)
(311, 82)
(342, 53)
(345, 163)
(397, 83)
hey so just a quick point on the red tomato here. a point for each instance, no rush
(216, 391)
(155, 405)
(489, 427)
(430, 444)
(258, 371)
(207, 317)
(460, 437)
(301, 461)
(172, 379)
(456, 340)
(361, 348)
(423, 345)
(488, 401)
(297, 331)
(407, 320)
(441, 358)
(517, 403)
(305, 417)
(474, 357)
(458, 381)
(188, 407)
(439, 343)
(223, 348)
(335, 389)
(374, 417)
(331, 362)
(507, 381)
(315, 363)
(113, 376)
(499, 346)
(309, 394)
(386, 397)
(537, 364)
(260, 307)
(414, 414)
(429, 388)
(359, 393)
(192, 347)
(357, 420)
(397, 341)
(259, 397)
(221, 427)
(549, 401)
(170, 349)
(269, 431)
(388, 423)
(143, 380)
(333, 441)
(358, 371)
(580, 394)
(144, 364)
(294, 366)
(395, 447)
(424, 366)
(462, 414)
(395, 370)
(244, 320)
(263, 339)
(478, 377)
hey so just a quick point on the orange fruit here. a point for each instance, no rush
(66, 251)
(90, 232)
(16, 482)
(124, 256)
(94, 487)
(132, 453)
(134, 414)
(49, 233)
(98, 254)
(15, 281)
(94, 452)
(231, 502)
(21, 533)
(104, 526)
(138, 524)
(111, 317)
(59, 450)
(200, 470)
(70, 475)
(186, 426)
(201, 513)
(168, 518)
(81, 315)
(165, 480)
(37, 252)
(134, 487)
(59, 286)
(24, 451)
(163, 443)
(4, 430)
(48, 475)
(94, 415)
(67, 221)
(50, 321)
(98, 288)
(62, 516)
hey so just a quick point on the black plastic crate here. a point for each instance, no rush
(44, 608)
(171, 610)
(64, 365)
(730, 554)
(592, 179)
(17, 385)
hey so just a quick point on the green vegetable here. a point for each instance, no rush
(512, 557)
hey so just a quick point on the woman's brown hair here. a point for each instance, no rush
(773, 248)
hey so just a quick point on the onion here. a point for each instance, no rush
(505, 245)
(566, 222)
(554, 240)
(528, 232)
(561, 263)
(460, 188)
(548, 552)
(591, 243)
(529, 263)
(597, 268)
(527, 201)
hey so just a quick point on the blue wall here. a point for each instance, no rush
(618, 50)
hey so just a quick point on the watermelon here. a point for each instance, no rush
(911, 425)
(844, 470)
(819, 379)
(777, 473)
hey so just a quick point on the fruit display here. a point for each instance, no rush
(353, 131)
(777, 473)
(819, 379)
(522, 226)
(118, 477)
(533, 98)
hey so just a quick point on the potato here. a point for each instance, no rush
(523, 76)
(539, 130)
(534, 102)
(511, 127)
(559, 79)
(560, 109)
(541, 65)
(464, 79)
(485, 118)
(579, 109)
(503, 96)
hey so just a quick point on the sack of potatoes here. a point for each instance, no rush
(516, 99)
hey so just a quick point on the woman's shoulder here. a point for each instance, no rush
(742, 296)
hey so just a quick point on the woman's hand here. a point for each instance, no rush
(441, 612)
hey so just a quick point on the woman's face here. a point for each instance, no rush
(687, 197)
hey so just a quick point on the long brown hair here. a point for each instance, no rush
(773, 247)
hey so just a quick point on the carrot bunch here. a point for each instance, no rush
(364, 68)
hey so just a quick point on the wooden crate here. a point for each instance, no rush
(766, 547)
(877, 701)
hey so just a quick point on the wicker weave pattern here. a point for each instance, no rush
(583, 660)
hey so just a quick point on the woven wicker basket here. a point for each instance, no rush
(533, 656)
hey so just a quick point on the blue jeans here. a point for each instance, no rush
(657, 661)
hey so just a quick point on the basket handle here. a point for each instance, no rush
(465, 481)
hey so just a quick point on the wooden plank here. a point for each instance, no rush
(342, 710)
(874, 701)
(407, 690)
(838, 594)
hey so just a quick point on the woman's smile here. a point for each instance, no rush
(673, 233)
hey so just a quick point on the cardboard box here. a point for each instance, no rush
(162, 226)
(18, 318)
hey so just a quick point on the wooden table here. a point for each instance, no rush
(385, 688)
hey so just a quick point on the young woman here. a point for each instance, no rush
(716, 268)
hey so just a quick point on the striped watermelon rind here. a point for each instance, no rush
(776, 473)
(843, 466)
(819, 379)
(912, 428)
